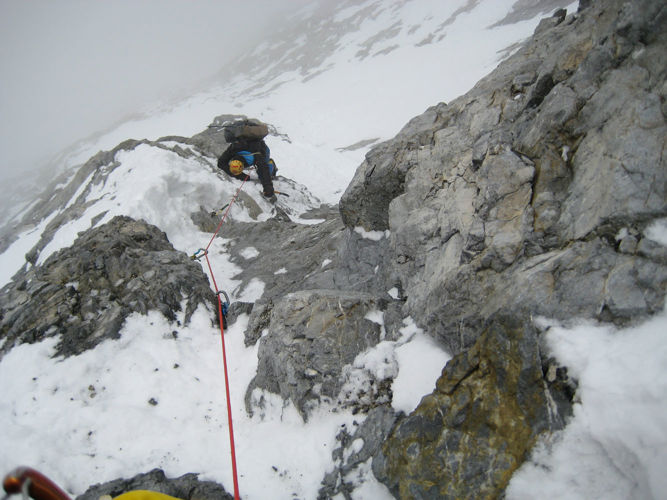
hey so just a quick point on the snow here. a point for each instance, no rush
(372, 235)
(12, 259)
(657, 231)
(375, 316)
(615, 446)
(350, 98)
(378, 361)
(99, 422)
(249, 253)
(89, 418)
(172, 187)
(251, 292)
(367, 487)
(178, 187)
(421, 360)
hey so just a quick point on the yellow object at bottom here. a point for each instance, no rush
(144, 495)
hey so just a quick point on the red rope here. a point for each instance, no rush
(229, 207)
(222, 337)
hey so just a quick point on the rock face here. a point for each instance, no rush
(86, 291)
(306, 256)
(311, 336)
(514, 195)
(529, 195)
(311, 320)
(466, 439)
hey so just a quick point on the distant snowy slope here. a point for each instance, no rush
(341, 76)
(334, 79)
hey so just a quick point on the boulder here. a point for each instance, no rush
(466, 438)
(84, 292)
(308, 339)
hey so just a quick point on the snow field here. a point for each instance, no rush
(155, 398)
(355, 98)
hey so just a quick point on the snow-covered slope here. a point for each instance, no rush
(155, 398)
(339, 78)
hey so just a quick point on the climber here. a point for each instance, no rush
(246, 149)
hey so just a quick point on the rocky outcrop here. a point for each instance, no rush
(84, 292)
(515, 196)
(311, 335)
(357, 448)
(187, 487)
(381, 177)
(286, 256)
(530, 195)
(323, 304)
(466, 439)
(527, 196)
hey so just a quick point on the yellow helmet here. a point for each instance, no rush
(236, 167)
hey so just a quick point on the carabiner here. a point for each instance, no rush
(199, 254)
(226, 296)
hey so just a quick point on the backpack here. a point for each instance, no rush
(246, 130)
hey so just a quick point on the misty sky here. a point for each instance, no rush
(69, 68)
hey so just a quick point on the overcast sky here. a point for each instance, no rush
(69, 68)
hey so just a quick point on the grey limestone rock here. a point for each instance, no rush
(85, 292)
(311, 335)
(381, 176)
(512, 195)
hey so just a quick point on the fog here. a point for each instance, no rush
(74, 67)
